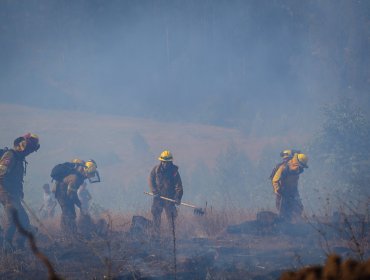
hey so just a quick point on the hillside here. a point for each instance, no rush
(125, 148)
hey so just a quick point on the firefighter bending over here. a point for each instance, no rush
(165, 181)
(12, 169)
(285, 184)
(68, 178)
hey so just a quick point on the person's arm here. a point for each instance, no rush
(152, 182)
(178, 187)
(6, 164)
(73, 185)
(276, 180)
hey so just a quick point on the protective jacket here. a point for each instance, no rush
(67, 189)
(166, 182)
(285, 180)
(66, 194)
(12, 170)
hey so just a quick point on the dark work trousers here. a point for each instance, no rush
(157, 208)
(10, 203)
(291, 207)
(68, 218)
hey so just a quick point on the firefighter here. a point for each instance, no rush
(85, 223)
(165, 180)
(85, 197)
(12, 170)
(285, 184)
(66, 193)
(286, 155)
(47, 209)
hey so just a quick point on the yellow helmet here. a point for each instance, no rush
(166, 156)
(78, 161)
(303, 160)
(91, 172)
(286, 154)
(90, 166)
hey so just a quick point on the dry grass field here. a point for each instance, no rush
(125, 149)
(218, 245)
(226, 243)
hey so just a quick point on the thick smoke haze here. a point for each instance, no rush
(261, 68)
(219, 62)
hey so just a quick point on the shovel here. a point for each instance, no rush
(197, 210)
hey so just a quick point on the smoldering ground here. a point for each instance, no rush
(207, 247)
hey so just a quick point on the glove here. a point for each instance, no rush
(177, 201)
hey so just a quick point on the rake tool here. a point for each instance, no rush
(197, 210)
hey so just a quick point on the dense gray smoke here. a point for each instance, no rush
(220, 62)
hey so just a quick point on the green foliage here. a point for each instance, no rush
(342, 147)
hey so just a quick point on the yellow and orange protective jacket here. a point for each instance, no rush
(67, 189)
(285, 180)
(12, 170)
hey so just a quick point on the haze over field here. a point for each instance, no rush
(126, 149)
(225, 85)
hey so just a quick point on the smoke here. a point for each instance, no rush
(263, 68)
(211, 61)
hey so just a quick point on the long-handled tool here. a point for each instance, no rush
(37, 219)
(197, 210)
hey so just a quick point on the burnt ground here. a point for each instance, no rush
(251, 250)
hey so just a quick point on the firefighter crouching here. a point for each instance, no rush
(12, 171)
(65, 189)
(165, 181)
(285, 184)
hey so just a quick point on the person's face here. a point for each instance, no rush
(166, 164)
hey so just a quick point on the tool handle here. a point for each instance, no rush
(172, 200)
(36, 218)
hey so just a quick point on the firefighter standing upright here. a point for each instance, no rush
(165, 181)
(12, 171)
(285, 184)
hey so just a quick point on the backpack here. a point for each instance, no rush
(62, 170)
(273, 172)
(3, 151)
